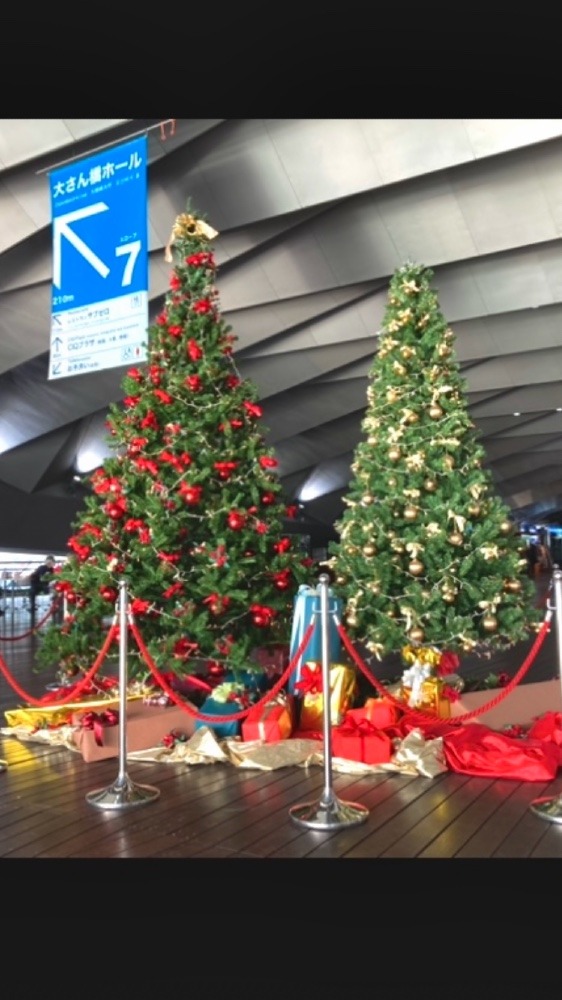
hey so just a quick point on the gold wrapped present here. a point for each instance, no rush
(429, 697)
(38, 718)
(50, 715)
(343, 688)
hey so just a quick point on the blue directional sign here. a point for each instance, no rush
(99, 309)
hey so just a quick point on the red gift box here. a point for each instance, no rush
(378, 711)
(271, 721)
(147, 725)
(360, 740)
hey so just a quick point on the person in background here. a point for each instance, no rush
(39, 582)
(544, 561)
(532, 555)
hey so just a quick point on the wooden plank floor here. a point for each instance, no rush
(223, 812)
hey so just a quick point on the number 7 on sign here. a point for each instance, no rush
(133, 249)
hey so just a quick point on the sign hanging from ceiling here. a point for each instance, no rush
(99, 303)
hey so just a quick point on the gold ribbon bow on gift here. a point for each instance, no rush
(413, 678)
(187, 225)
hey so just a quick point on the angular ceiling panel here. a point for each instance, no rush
(313, 217)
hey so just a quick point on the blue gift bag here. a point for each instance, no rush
(221, 708)
(307, 610)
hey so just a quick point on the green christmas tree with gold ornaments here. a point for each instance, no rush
(188, 507)
(427, 554)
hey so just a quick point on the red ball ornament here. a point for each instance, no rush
(282, 579)
(108, 593)
(236, 520)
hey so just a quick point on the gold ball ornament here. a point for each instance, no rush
(430, 485)
(416, 567)
(489, 623)
(341, 579)
(443, 350)
(456, 538)
(514, 586)
(505, 527)
(351, 621)
(372, 439)
(367, 499)
(392, 482)
(435, 412)
(416, 634)
(410, 512)
(449, 462)
(413, 418)
(449, 596)
(392, 395)
(394, 454)
(474, 509)
(369, 550)
(374, 587)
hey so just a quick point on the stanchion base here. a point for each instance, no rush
(122, 795)
(331, 816)
(550, 809)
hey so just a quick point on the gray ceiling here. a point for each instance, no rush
(314, 216)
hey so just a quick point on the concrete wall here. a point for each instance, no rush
(35, 523)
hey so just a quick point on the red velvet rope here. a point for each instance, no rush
(113, 632)
(384, 692)
(24, 635)
(232, 716)
(77, 688)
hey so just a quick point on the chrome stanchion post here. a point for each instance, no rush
(551, 808)
(329, 813)
(123, 793)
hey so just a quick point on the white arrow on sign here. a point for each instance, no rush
(61, 227)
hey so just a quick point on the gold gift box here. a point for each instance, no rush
(48, 716)
(343, 688)
(431, 699)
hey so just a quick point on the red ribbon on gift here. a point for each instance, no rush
(358, 727)
(97, 720)
(311, 680)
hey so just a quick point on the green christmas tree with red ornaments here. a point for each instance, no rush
(428, 554)
(188, 509)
